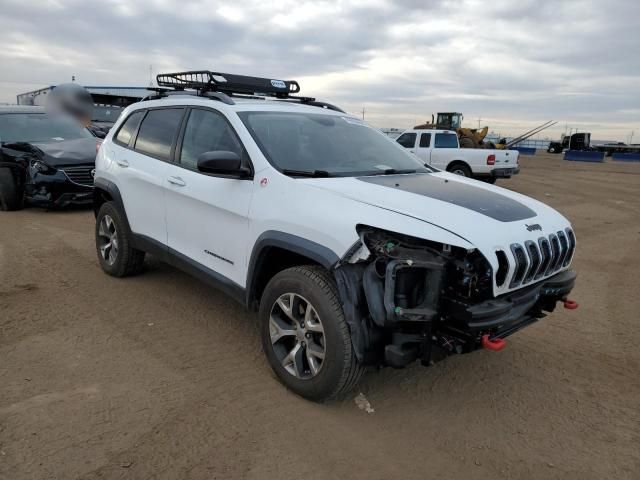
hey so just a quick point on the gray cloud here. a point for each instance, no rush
(512, 63)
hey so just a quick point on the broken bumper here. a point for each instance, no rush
(504, 313)
(57, 190)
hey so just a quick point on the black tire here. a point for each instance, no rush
(340, 369)
(460, 169)
(490, 180)
(11, 195)
(127, 260)
(467, 142)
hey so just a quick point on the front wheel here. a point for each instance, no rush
(305, 336)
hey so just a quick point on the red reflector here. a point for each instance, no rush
(491, 160)
(495, 344)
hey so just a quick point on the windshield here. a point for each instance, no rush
(333, 145)
(106, 113)
(39, 127)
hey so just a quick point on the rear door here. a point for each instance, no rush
(148, 139)
(207, 215)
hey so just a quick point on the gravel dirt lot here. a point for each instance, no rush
(159, 376)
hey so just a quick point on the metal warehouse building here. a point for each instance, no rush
(117, 96)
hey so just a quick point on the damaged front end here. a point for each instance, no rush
(43, 184)
(407, 299)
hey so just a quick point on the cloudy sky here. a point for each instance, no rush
(511, 64)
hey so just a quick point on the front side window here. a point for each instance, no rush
(327, 144)
(129, 127)
(446, 140)
(40, 128)
(157, 132)
(207, 131)
(407, 140)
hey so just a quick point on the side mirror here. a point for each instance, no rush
(221, 162)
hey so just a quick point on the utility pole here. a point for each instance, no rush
(631, 137)
(479, 120)
(362, 113)
(151, 75)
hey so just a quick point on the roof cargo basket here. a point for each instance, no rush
(207, 81)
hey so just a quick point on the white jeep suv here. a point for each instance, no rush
(353, 252)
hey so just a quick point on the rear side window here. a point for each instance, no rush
(129, 127)
(407, 140)
(157, 132)
(425, 140)
(446, 140)
(207, 131)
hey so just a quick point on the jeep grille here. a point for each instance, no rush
(535, 260)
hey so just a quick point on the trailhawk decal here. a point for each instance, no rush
(491, 204)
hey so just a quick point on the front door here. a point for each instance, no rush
(207, 215)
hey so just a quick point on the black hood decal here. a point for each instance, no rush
(491, 204)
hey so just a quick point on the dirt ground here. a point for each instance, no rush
(159, 376)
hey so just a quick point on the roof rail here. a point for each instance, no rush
(207, 81)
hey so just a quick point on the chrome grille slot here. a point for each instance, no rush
(564, 248)
(503, 267)
(545, 257)
(521, 265)
(534, 260)
(555, 253)
(80, 175)
(572, 246)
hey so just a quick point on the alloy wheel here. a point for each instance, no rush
(108, 239)
(297, 336)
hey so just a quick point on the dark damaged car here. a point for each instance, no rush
(46, 160)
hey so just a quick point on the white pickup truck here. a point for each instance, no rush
(440, 149)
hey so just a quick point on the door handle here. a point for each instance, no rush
(122, 163)
(177, 181)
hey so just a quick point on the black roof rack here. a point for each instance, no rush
(222, 86)
(207, 81)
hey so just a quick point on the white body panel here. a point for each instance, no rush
(227, 216)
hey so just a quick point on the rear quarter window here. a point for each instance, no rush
(129, 127)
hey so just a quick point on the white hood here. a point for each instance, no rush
(489, 217)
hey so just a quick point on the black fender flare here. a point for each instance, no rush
(302, 246)
(103, 185)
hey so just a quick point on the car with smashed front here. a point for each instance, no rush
(46, 159)
(352, 251)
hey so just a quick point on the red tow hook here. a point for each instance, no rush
(570, 304)
(496, 344)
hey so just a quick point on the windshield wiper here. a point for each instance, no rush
(307, 173)
(394, 171)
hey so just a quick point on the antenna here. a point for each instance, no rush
(151, 75)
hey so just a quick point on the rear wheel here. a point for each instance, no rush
(113, 243)
(305, 336)
(11, 195)
(460, 169)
